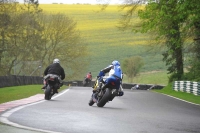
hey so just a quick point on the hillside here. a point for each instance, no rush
(105, 42)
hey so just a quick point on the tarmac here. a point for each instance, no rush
(10, 129)
(4, 128)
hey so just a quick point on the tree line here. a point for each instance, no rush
(30, 39)
(174, 25)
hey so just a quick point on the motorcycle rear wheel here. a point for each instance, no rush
(48, 93)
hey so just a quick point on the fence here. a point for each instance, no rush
(13, 80)
(187, 86)
(124, 85)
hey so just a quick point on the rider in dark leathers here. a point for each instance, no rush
(115, 76)
(55, 69)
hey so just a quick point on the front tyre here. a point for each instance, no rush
(48, 93)
(91, 102)
(105, 98)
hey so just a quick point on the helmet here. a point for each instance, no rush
(56, 61)
(89, 72)
(115, 62)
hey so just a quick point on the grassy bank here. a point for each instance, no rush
(19, 92)
(153, 77)
(182, 95)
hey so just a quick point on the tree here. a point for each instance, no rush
(171, 22)
(131, 66)
(192, 30)
(30, 38)
(61, 39)
(161, 19)
(7, 8)
(17, 35)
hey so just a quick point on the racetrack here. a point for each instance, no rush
(138, 111)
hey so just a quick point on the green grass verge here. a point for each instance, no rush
(19, 92)
(182, 95)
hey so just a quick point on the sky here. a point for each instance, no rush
(74, 1)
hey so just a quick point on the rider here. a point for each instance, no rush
(115, 76)
(55, 69)
(89, 76)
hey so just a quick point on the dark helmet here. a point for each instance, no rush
(115, 63)
(90, 73)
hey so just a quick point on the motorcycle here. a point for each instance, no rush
(86, 82)
(103, 95)
(52, 85)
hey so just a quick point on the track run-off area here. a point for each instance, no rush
(138, 111)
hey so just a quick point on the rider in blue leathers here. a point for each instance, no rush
(115, 77)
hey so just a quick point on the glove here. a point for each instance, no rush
(101, 74)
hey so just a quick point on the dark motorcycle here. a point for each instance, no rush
(86, 82)
(53, 84)
(103, 95)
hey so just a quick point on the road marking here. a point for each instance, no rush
(179, 99)
(24, 103)
(12, 104)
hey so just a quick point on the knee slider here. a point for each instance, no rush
(121, 93)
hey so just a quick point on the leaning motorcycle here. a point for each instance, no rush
(52, 87)
(103, 95)
(86, 82)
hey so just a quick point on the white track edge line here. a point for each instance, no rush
(179, 99)
(4, 116)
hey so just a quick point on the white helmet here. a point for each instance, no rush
(56, 61)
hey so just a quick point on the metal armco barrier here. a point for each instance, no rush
(187, 86)
(124, 85)
(13, 80)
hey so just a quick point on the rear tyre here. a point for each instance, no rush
(105, 98)
(48, 93)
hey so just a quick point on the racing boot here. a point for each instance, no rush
(43, 88)
(118, 93)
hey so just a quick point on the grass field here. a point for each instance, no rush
(105, 41)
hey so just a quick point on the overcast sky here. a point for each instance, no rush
(74, 1)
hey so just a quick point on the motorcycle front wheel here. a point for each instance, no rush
(91, 102)
(105, 98)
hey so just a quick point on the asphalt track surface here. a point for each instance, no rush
(138, 111)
